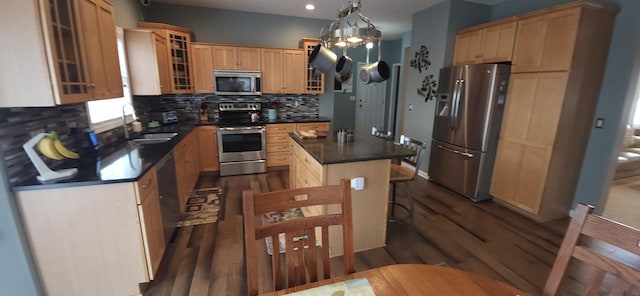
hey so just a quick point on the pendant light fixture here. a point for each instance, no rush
(350, 29)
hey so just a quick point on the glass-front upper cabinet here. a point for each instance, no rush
(179, 54)
(66, 51)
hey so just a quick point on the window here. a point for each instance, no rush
(107, 114)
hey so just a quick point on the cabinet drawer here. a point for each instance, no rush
(277, 158)
(277, 147)
(317, 126)
(277, 138)
(145, 185)
(281, 128)
(307, 161)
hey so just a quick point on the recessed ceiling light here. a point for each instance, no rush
(310, 6)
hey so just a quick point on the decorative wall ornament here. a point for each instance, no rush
(421, 62)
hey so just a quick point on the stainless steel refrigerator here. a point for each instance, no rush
(467, 126)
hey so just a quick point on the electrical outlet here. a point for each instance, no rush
(410, 107)
(357, 183)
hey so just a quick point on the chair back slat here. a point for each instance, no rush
(603, 250)
(304, 255)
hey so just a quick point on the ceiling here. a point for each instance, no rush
(391, 17)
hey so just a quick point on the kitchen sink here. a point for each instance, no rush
(155, 138)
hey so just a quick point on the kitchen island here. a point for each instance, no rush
(325, 161)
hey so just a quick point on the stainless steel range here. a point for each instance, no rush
(241, 139)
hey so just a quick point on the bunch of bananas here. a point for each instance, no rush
(51, 147)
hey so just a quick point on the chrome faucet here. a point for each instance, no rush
(124, 118)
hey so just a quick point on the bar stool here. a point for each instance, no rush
(404, 174)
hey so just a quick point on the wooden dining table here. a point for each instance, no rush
(418, 279)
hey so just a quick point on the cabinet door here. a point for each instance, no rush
(179, 44)
(272, 70)
(529, 127)
(67, 49)
(100, 41)
(468, 48)
(533, 106)
(293, 71)
(208, 148)
(546, 42)
(314, 82)
(497, 43)
(225, 57)
(152, 231)
(202, 68)
(519, 174)
(164, 75)
(248, 58)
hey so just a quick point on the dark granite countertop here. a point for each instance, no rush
(121, 162)
(279, 120)
(126, 162)
(363, 147)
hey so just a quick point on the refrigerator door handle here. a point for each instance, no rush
(459, 99)
(467, 155)
(454, 105)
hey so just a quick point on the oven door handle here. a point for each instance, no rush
(243, 128)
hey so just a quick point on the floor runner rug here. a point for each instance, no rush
(203, 206)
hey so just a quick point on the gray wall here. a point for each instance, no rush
(236, 27)
(17, 274)
(434, 27)
(618, 87)
(246, 28)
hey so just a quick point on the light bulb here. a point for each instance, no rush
(354, 39)
(310, 6)
(341, 44)
(370, 45)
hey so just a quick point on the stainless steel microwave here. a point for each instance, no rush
(237, 82)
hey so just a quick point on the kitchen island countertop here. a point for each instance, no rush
(363, 147)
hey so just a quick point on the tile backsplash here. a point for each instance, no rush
(18, 125)
(187, 106)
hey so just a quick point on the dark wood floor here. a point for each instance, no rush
(482, 237)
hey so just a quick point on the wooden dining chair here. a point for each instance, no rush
(305, 255)
(404, 174)
(584, 240)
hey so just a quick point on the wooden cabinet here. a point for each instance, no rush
(313, 81)
(236, 58)
(369, 205)
(187, 167)
(527, 138)
(278, 143)
(178, 48)
(278, 140)
(283, 70)
(486, 43)
(202, 68)
(208, 148)
(148, 62)
(547, 41)
(66, 53)
(100, 41)
(558, 63)
(151, 218)
(95, 240)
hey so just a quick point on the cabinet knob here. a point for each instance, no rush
(91, 85)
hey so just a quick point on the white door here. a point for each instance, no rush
(370, 104)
